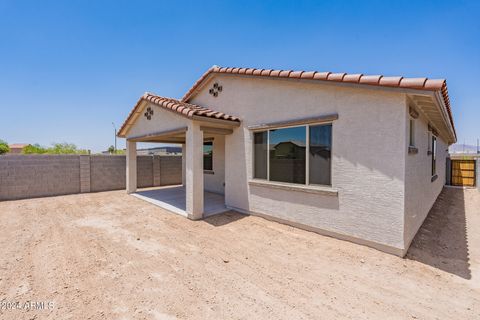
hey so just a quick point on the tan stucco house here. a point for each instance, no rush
(356, 157)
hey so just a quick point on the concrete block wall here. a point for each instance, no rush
(145, 171)
(170, 170)
(156, 171)
(107, 172)
(85, 173)
(25, 176)
(30, 176)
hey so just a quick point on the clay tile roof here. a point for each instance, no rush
(285, 73)
(355, 78)
(308, 75)
(266, 72)
(321, 75)
(296, 74)
(439, 85)
(275, 73)
(413, 83)
(435, 84)
(179, 107)
(336, 76)
(390, 81)
(374, 80)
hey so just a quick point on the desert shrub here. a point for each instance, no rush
(4, 148)
(56, 148)
(34, 149)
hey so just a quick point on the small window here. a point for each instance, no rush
(260, 154)
(208, 156)
(412, 133)
(434, 155)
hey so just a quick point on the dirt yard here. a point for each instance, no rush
(112, 256)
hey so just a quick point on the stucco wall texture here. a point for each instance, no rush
(215, 182)
(368, 158)
(28, 176)
(420, 191)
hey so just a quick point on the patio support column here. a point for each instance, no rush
(131, 166)
(194, 172)
(184, 157)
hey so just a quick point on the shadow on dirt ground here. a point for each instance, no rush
(225, 218)
(442, 241)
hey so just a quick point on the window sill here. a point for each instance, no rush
(412, 150)
(208, 172)
(435, 177)
(324, 190)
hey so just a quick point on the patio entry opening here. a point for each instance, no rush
(203, 166)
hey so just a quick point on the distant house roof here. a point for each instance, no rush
(17, 145)
(295, 142)
(439, 85)
(182, 108)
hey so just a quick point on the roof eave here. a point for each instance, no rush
(445, 114)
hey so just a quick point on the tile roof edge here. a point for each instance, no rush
(427, 84)
(181, 108)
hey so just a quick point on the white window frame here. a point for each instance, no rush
(433, 154)
(411, 132)
(307, 150)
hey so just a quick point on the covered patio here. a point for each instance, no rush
(156, 119)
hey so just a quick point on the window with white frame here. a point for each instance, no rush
(434, 155)
(412, 133)
(299, 154)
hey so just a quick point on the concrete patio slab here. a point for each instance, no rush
(172, 198)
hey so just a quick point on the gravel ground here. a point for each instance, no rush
(112, 256)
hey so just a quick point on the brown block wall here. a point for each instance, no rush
(170, 170)
(30, 176)
(107, 172)
(145, 171)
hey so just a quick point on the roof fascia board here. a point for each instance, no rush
(124, 130)
(443, 110)
(232, 124)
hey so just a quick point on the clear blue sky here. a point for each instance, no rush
(70, 68)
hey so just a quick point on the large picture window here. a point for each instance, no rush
(300, 154)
